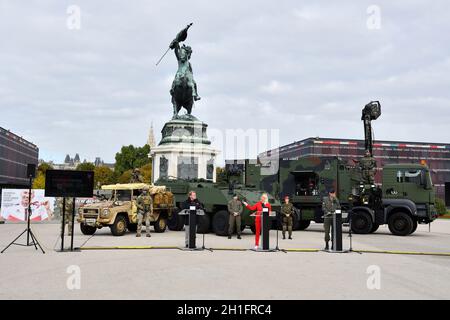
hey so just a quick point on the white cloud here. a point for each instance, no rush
(276, 87)
(304, 69)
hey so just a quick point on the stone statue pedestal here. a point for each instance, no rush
(184, 152)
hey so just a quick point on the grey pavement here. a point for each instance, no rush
(175, 274)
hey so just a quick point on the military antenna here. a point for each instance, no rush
(371, 111)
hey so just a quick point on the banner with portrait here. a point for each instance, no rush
(14, 205)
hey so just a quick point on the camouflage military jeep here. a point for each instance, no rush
(119, 213)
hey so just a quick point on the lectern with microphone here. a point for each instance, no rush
(191, 229)
(336, 235)
(264, 244)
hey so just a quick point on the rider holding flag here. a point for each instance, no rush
(183, 55)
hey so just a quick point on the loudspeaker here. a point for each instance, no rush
(31, 170)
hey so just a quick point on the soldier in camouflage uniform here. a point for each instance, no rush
(136, 176)
(235, 209)
(368, 166)
(287, 212)
(330, 204)
(67, 215)
(145, 209)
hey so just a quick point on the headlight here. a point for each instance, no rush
(365, 200)
(105, 213)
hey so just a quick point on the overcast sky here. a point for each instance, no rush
(305, 68)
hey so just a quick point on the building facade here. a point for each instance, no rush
(72, 163)
(435, 155)
(15, 154)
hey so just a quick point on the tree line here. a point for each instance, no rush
(127, 159)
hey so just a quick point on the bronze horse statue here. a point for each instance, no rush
(181, 96)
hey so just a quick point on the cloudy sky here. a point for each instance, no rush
(304, 68)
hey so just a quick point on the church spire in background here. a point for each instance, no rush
(151, 137)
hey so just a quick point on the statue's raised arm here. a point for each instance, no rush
(181, 36)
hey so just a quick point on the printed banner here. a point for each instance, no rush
(14, 206)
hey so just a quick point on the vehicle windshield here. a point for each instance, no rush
(413, 176)
(123, 195)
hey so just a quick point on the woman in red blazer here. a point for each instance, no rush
(258, 207)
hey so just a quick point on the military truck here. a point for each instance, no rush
(405, 198)
(119, 212)
(215, 199)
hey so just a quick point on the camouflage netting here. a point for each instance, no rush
(157, 189)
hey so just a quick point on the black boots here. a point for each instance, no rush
(326, 246)
(229, 237)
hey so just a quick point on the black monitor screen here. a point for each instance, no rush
(68, 183)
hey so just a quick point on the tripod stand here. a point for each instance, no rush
(350, 232)
(34, 242)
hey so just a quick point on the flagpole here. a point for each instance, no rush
(163, 56)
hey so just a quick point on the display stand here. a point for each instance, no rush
(191, 229)
(30, 235)
(264, 241)
(63, 226)
(336, 234)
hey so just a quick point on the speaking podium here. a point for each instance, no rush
(336, 235)
(191, 229)
(264, 243)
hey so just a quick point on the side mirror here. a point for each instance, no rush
(428, 186)
(425, 180)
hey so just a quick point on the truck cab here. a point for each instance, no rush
(411, 182)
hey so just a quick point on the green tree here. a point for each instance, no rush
(440, 207)
(85, 166)
(44, 166)
(131, 157)
(103, 175)
(125, 177)
(39, 181)
(146, 172)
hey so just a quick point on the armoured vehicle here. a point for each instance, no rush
(119, 212)
(405, 197)
(215, 199)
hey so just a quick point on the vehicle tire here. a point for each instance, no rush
(87, 230)
(220, 223)
(253, 228)
(119, 227)
(415, 224)
(375, 227)
(176, 221)
(132, 227)
(304, 224)
(203, 224)
(400, 224)
(361, 223)
(160, 225)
